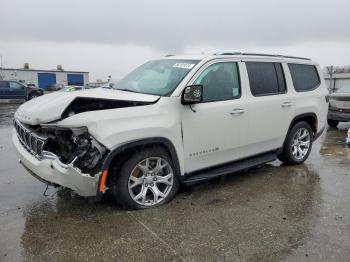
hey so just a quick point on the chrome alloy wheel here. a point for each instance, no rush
(301, 143)
(151, 181)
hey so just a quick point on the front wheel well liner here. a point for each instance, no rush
(119, 154)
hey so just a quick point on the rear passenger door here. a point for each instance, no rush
(269, 107)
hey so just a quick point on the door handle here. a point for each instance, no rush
(237, 111)
(286, 104)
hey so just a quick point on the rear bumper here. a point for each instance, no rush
(340, 116)
(51, 171)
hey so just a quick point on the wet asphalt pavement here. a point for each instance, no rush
(272, 213)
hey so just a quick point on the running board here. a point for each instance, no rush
(229, 168)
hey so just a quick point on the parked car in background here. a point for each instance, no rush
(64, 88)
(347, 140)
(75, 88)
(174, 120)
(10, 89)
(339, 106)
(54, 88)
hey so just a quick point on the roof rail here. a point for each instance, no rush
(169, 55)
(259, 54)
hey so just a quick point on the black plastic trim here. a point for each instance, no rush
(228, 168)
(295, 120)
(142, 142)
(319, 133)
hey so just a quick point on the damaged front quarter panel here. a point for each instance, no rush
(74, 147)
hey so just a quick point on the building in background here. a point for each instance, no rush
(337, 77)
(45, 78)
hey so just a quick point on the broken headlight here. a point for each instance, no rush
(75, 146)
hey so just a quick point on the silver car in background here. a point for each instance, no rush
(339, 106)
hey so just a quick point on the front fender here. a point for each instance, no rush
(129, 145)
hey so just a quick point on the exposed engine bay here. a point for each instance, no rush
(76, 147)
(85, 104)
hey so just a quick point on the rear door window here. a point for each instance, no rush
(305, 77)
(4, 84)
(266, 78)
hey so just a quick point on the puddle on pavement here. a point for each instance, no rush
(6, 113)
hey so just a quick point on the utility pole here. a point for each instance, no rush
(1, 75)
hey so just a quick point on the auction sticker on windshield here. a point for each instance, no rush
(184, 65)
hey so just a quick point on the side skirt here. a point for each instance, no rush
(229, 168)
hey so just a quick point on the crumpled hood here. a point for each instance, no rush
(50, 107)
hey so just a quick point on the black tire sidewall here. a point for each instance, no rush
(332, 123)
(121, 179)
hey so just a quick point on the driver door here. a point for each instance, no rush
(17, 90)
(212, 129)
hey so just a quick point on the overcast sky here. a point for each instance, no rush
(111, 37)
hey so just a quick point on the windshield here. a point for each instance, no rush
(157, 77)
(343, 89)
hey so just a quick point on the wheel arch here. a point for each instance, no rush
(310, 118)
(120, 153)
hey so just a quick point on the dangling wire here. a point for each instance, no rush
(47, 187)
(192, 108)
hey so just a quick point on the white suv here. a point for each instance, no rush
(176, 120)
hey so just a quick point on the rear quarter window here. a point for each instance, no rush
(305, 77)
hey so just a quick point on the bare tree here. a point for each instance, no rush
(330, 70)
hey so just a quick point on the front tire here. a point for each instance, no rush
(298, 144)
(332, 123)
(147, 179)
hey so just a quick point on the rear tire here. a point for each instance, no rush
(147, 179)
(332, 123)
(298, 144)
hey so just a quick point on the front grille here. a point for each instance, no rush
(31, 141)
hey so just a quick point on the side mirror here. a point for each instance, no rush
(192, 94)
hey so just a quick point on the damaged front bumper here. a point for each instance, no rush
(49, 169)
